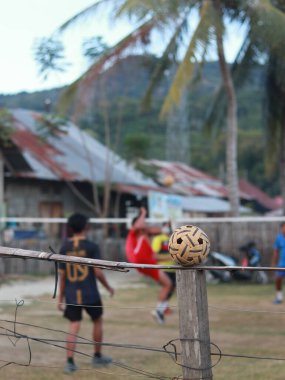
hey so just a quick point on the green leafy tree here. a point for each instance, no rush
(137, 145)
(93, 48)
(50, 125)
(6, 126)
(264, 42)
(174, 16)
(49, 55)
(6, 130)
(275, 119)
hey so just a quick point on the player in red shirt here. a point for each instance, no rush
(139, 251)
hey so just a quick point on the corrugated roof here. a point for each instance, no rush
(75, 156)
(258, 195)
(181, 172)
(190, 181)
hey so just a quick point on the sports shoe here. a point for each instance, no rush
(70, 368)
(277, 301)
(158, 316)
(103, 361)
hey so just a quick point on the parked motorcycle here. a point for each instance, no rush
(251, 258)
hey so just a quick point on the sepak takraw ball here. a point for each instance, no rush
(189, 245)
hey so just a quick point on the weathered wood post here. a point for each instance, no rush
(194, 324)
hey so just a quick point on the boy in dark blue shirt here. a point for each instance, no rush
(78, 288)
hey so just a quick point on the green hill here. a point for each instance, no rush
(134, 134)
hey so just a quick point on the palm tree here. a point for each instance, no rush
(275, 95)
(264, 45)
(232, 122)
(175, 17)
(275, 118)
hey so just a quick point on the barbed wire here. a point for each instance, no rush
(148, 307)
(174, 353)
(116, 306)
(14, 336)
(9, 333)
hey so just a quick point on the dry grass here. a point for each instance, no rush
(128, 320)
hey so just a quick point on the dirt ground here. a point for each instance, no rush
(127, 317)
(33, 287)
(242, 321)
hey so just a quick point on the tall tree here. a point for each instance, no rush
(264, 44)
(232, 122)
(174, 18)
(275, 95)
(275, 117)
(6, 130)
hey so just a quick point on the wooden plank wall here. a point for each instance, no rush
(228, 237)
(225, 237)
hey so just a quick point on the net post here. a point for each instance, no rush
(194, 324)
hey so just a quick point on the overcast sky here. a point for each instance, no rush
(23, 21)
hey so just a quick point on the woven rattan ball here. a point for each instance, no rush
(189, 245)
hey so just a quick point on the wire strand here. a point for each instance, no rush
(146, 307)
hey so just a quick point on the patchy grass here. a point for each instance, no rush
(11, 278)
(239, 330)
(128, 320)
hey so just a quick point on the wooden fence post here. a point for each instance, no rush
(194, 324)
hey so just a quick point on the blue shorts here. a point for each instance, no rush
(280, 273)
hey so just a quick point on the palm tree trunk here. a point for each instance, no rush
(232, 124)
(282, 164)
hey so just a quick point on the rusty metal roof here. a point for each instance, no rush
(192, 182)
(188, 180)
(74, 156)
(264, 199)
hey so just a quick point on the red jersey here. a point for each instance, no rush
(131, 243)
(139, 250)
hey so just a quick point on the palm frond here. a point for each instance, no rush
(244, 62)
(81, 91)
(216, 111)
(201, 39)
(67, 98)
(240, 71)
(83, 15)
(268, 25)
(131, 8)
(274, 111)
(267, 30)
(164, 62)
(164, 11)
